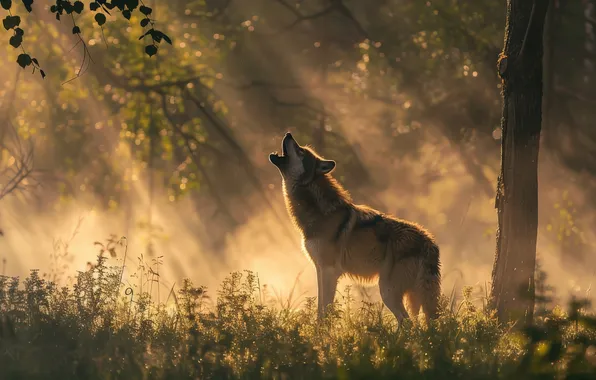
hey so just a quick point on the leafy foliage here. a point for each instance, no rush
(100, 8)
(89, 331)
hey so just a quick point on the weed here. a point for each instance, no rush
(97, 329)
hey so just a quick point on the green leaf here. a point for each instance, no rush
(150, 31)
(145, 10)
(100, 18)
(118, 3)
(28, 4)
(94, 6)
(19, 31)
(126, 13)
(11, 21)
(76, 30)
(131, 4)
(78, 6)
(24, 60)
(16, 40)
(67, 6)
(43, 74)
(6, 4)
(144, 22)
(151, 50)
(35, 61)
(166, 38)
(159, 35)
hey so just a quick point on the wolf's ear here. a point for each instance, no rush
(325, 166)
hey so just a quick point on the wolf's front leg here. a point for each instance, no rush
(327, 277)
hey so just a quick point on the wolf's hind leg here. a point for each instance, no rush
(413, 302)
(430, 293)
(393, 299)
(394, 282)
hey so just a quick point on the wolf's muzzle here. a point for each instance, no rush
(288, 142)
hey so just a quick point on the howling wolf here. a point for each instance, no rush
(342, 238)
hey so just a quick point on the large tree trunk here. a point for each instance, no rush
(520, 68)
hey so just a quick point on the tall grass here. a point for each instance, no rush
(97, 329)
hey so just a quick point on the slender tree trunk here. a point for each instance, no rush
(520, 68)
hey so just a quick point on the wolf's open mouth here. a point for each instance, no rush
(284, 150)
(275, 157)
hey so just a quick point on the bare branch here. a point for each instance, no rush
(16, 156)
(189, 141)
(300, 17)
(16, 162)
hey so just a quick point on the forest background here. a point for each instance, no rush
(170, 151)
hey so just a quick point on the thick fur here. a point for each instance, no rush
(343, 238)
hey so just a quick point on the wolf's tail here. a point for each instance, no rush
(431, 281)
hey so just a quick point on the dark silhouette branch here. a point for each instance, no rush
(189, 141)
(16, 173)
(300, 17)
(213, 120)
(244, 159)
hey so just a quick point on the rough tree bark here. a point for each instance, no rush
(520, 68)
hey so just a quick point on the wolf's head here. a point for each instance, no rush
(298, 164)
